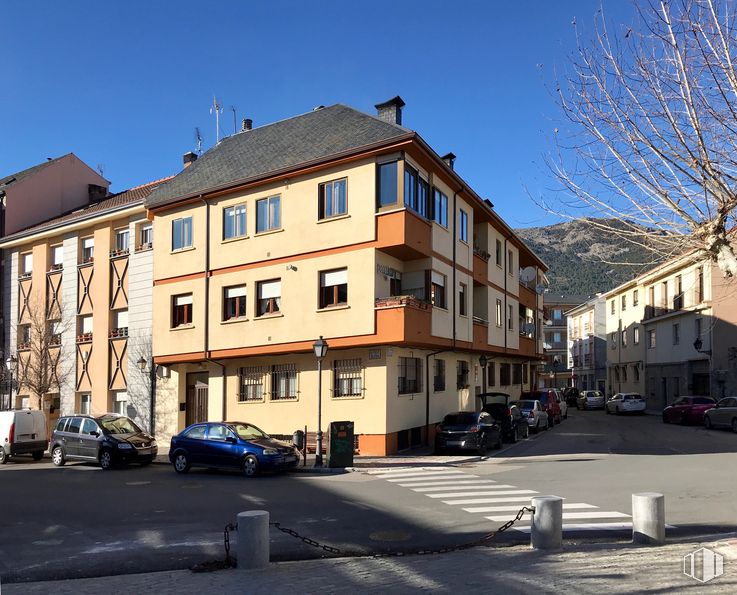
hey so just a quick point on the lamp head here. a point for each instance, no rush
(320, 348)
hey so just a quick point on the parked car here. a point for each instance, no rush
(687, 410)
(532, 410)
(723, 414)
(590, 399)
(560, 399)
(22, 432)
(230, 445)
(549, 402)
(626, 403)
(501, 407)
(109, 439)
(468, 430)
(571, 394)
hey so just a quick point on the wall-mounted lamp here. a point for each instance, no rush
(291, 267)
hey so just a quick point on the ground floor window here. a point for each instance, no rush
(120, 403)
(347, 378)
(504, 374)
(439, 375)
(85, 403)
(410, 375)
(462, 374)
(251, 383)
(283, 382)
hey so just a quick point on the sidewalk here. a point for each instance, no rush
(590, 568)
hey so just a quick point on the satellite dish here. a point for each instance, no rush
(528, 274)
(540, 289)
(547, 346)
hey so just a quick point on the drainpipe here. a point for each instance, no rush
(505, 322)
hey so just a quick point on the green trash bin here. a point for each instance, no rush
(340, 444)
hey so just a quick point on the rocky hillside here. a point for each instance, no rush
(579, 257)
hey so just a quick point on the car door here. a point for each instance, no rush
(221, 451)
(89, 439)
(70, 437)
(677, 409)
(721, 416)
(194, 444)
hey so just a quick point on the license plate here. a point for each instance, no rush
(290, 458)
(144, 451)
(455, 442)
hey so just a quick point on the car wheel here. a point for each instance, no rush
(106, 459)
(515, 436)
(684, 420)
(181, 463)
(250, 466)
(38, 455)
(57, 456)
(734, 425)
(3, 456)
(707, 422)
(566, 415)
(527, 431)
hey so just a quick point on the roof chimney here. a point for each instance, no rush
(96, 193)
(247, 124)
(189, 158)
(391, 111)
(450, 160)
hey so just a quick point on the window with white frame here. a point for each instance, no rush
(510, 263)
(85, 404)
(145, 236)
(181, 233)
(283, 382)
(636, 335)
(120, 322)
(437, 289)
(57, 257)
(410, 375)
(438, 377)
(26, 264)
(462, 299)
(268, 297)
(234, 302)
(463, 225)
(122, 240)
(333, 288)
(181, 311)
(510, 318)
(234, 222)
(651, 339)
(85, 325)
(332, 200)
(251, 380)
(120, 403)
(499, 313)
(268, 214)
(88, 250)
(347, 378)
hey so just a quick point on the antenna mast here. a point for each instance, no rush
(198, 139)
(217, 109)
(235, 125)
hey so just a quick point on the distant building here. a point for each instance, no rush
(587, 344)
(556, 372)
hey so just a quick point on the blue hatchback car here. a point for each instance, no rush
(230, 445)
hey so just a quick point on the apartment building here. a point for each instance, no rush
(587, 344)
(672, 331)
(80, 292)
(556, 372)
(27, 197)
(347, 226)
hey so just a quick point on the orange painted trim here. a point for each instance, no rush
(190, 277)
(180, 358)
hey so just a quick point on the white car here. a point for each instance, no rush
(533, 412)
(625, 403)
(562, 402)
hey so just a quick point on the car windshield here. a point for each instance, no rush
(459, 419)
(248, 432)
(703, 401)
(632, 397)
(526, 404)
(118, 425)
(593, 393)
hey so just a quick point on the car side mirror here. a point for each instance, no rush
(95, 433)
(231, 439)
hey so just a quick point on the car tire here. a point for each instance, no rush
(684, 420)
(3, 456)
(734, 425)
(515, 436)
(707, 422)
(38, 455)
(106, 459)
(527, 431)
(57, 456)
(250, 466)
(181, 463)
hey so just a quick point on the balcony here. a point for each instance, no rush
(404, 235)
(119, 253)
(403, 318)
(144, 246)
(84, 338)
(118, 333)
(55, 268)
(480, 268)
(27, 275)
(55, 340)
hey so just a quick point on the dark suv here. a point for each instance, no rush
(506, 414)
(108, 439)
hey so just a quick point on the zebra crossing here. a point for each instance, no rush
(497, 501)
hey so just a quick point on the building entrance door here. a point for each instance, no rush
(196, 404)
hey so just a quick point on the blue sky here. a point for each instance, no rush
(124, 84)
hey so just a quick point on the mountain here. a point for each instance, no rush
(580, 255)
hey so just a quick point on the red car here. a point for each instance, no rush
(687, 410)
(549, 403)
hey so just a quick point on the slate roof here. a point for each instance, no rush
(281, 146)
(18, 176)
(124, 199)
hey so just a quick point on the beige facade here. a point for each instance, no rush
(392, 287)
(587, 344)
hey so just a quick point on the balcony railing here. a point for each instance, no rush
(56, 267)
(480, 320)
(84, 338)
(27, 275)
(118, 333)
(55, 340)
(482, 254)
(144, 246)
(24, 345)
(402, 300)
(117, 253)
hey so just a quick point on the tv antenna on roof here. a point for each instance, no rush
(216, 109)
(198, 139)
(235, 125)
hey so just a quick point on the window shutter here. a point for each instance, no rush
(270, 289)
(183, 300)
(234, 292)
(335, 278)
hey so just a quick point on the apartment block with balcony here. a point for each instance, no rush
(80, 288)
(556, 372)
(587, 344)
(348, 226)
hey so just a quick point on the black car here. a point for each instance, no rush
(570, 395)
(468, 430)
(506, 414)
(108, 440)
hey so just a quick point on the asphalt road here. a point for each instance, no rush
(79, 521)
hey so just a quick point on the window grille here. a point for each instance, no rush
(347, 378)
(251, 384)
(283, 382)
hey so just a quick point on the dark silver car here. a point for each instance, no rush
(590, 399)
(723, 415)
(466, 430)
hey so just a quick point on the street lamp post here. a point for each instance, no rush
(556, 363)
(11, 363)
(142, 364)
(484, 361)
(321, 349)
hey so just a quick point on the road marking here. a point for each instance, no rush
(489, 501)
(461, 485)
(585, 527)
(479, 493)
(516, 493)
(441, 482)
(599, 514)
(516, 508)
(424, 475)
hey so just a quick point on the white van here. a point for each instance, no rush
(22, 432)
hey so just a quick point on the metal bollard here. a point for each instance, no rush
(648, 518)
(252, 549)
(547, 523)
